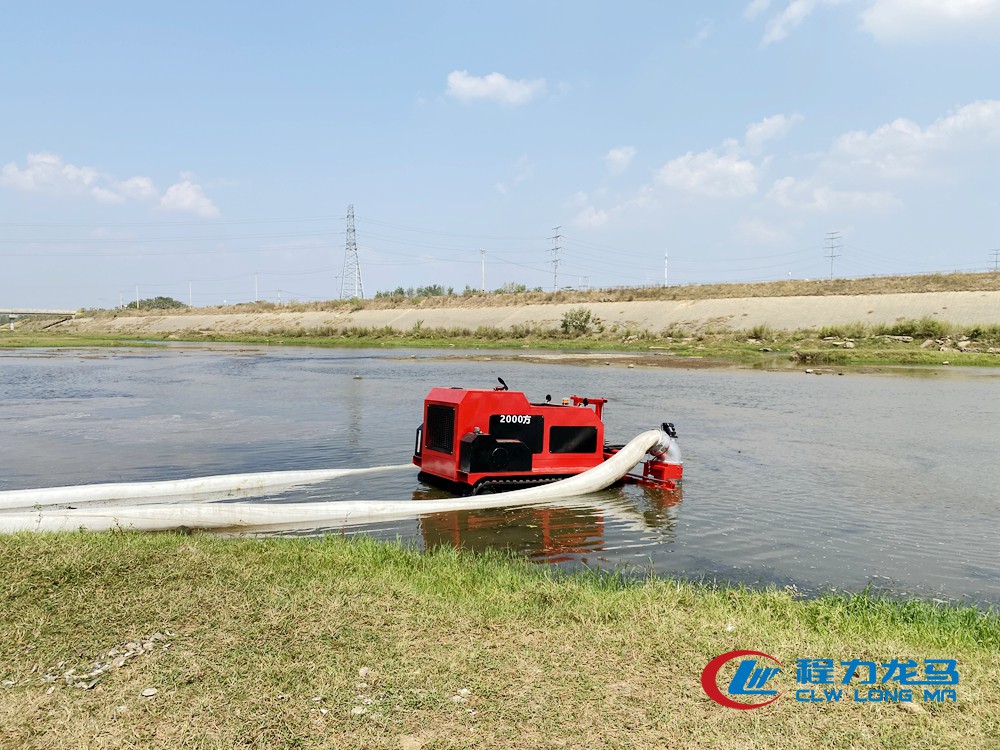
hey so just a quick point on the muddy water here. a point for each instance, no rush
(888, 481)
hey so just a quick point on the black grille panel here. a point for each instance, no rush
(573, 440)
(441, 428)
(529, 433)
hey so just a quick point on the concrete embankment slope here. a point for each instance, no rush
(783, 313)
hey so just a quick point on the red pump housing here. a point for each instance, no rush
(474, 440)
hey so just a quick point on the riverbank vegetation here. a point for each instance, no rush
(513, 294)
(282, 643)
(927, 341)
(22, 339)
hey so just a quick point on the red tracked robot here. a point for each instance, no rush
(474, 441)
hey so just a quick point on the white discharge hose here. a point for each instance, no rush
(225, 485)
(249, 516)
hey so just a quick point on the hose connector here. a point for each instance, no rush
(666, 449)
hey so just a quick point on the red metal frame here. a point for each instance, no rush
(473, 409)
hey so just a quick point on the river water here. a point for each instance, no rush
(880, 480)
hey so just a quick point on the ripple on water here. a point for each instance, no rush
(821, 483)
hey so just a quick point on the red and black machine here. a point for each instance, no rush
(474, 441)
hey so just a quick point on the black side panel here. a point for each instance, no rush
(485, 454)
(573, 440)
(441, 428)
(505, 427)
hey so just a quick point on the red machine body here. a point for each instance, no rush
(474, 440)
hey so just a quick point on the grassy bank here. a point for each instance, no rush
(29, 339)
(332, 643)
(907, 342)
(935, 282)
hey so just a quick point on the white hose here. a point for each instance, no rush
(236, 516)
(221, 486)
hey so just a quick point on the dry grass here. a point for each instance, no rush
(955, 282)
(458, 651)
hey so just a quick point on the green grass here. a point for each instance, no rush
(760, 345)
(455, 650)
(35, 339)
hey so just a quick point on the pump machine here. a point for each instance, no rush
(474, 441)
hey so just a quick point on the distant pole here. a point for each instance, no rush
(351, 284)
(121, 301)
(666, 263)
(832, 243)
(255, 296)
(555, 256)
(482, 257)
(996, 259)
(136, 296)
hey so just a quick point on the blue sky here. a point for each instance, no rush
(213, 149)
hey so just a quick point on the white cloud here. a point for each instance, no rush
(793, 194)
(139, 188)
(523, 170)
(887, 20)
(781, 25)
(591, 218)
(188, 197)
(730, 171)
(761, 232)
(902, 149)
(769, 129)
(705, 29)
(619, 158)
(49, 174)
(755, 8)
(784, 23)
(495, 87)
(710, 174)
(103, 195)
(898, 20)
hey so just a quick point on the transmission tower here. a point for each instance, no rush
(351, 285)
(832, 243)
(996, 259)
(555, 250)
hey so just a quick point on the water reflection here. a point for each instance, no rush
(550, 534)
(823, 482)
(355, 408)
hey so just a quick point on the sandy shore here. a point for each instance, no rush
(781, 313)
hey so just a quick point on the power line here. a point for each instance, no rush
(138, 240)
(832, 239)
(555, 256)
(352, 264)
(996, 259)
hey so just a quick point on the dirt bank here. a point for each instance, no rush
(781, 313)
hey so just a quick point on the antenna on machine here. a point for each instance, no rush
(351, 285)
